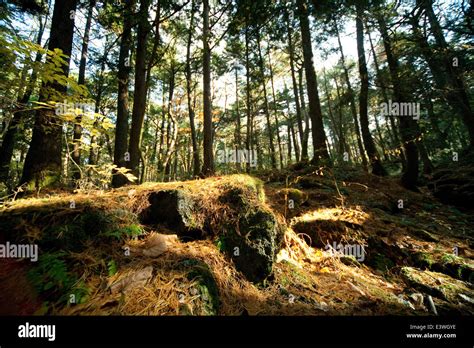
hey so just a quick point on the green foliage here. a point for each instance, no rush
(111, 267)
(125, 232)
(382, 263)
(424, 259)
(99, 176)
(449, 258)
(52, 279)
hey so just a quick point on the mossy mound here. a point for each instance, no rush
(175, 209)
(454, 185)
(229, 210)
(296, 196)
(71, 229)
(437, 284)
(207, 288)
(252, 243)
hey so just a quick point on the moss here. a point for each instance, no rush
(252, 242)
(424, 235)
(125, 232)
(422, 259)
(248, 186)
(54, 281)
(455, 266)
(297, 274)
(88, 224)
(449, 258)
(434, 283)
(382, 263)
(298, 196)
(350, 260)
(207, 286)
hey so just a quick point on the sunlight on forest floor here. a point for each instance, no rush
(169, 276)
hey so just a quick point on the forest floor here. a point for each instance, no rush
(409, 254)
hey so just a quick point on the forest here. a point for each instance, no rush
(210, 157)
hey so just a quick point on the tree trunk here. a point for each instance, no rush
(335, 134)
(319, 137)
(238, 137)
(369, 145)
(304, 113)
(304, 154)
(248, 139)
(393, 130)
(457, 94)
(352, 100)
(123, 76)
(10, 137)
(76, 140)
(407, 129)
(196, 160)
(277, 123)
(140, 92)
(43, 161)
(208, 166)
(265, 105)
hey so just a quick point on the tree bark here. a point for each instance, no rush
(352, 100)
(299, 120)
(408, 131)
(369, 145)
(196, 160)
(76, 140)
(140, 92)
(208, 166)
(248, 139)
(265, 105)
(123, 76)
(319, 137)
(277, 122)
(44, 161)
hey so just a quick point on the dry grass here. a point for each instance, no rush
(306, 280)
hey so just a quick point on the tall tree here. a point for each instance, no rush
(208, 165)
(446, 73)
(299, 120)
(10, 138)
(369, 145)
(352, 98)
(44, 161)
(196, 160)
(407, 129)
(140, 91)
(265, 101)
(123, 76)
(76, 154)
(319, 136)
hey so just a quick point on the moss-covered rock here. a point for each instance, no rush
(234, 215)
(454, 185)
(252, 243)
(297, 196)
(206, 285)
(177, 210)
(436, 284)
(455, 266)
